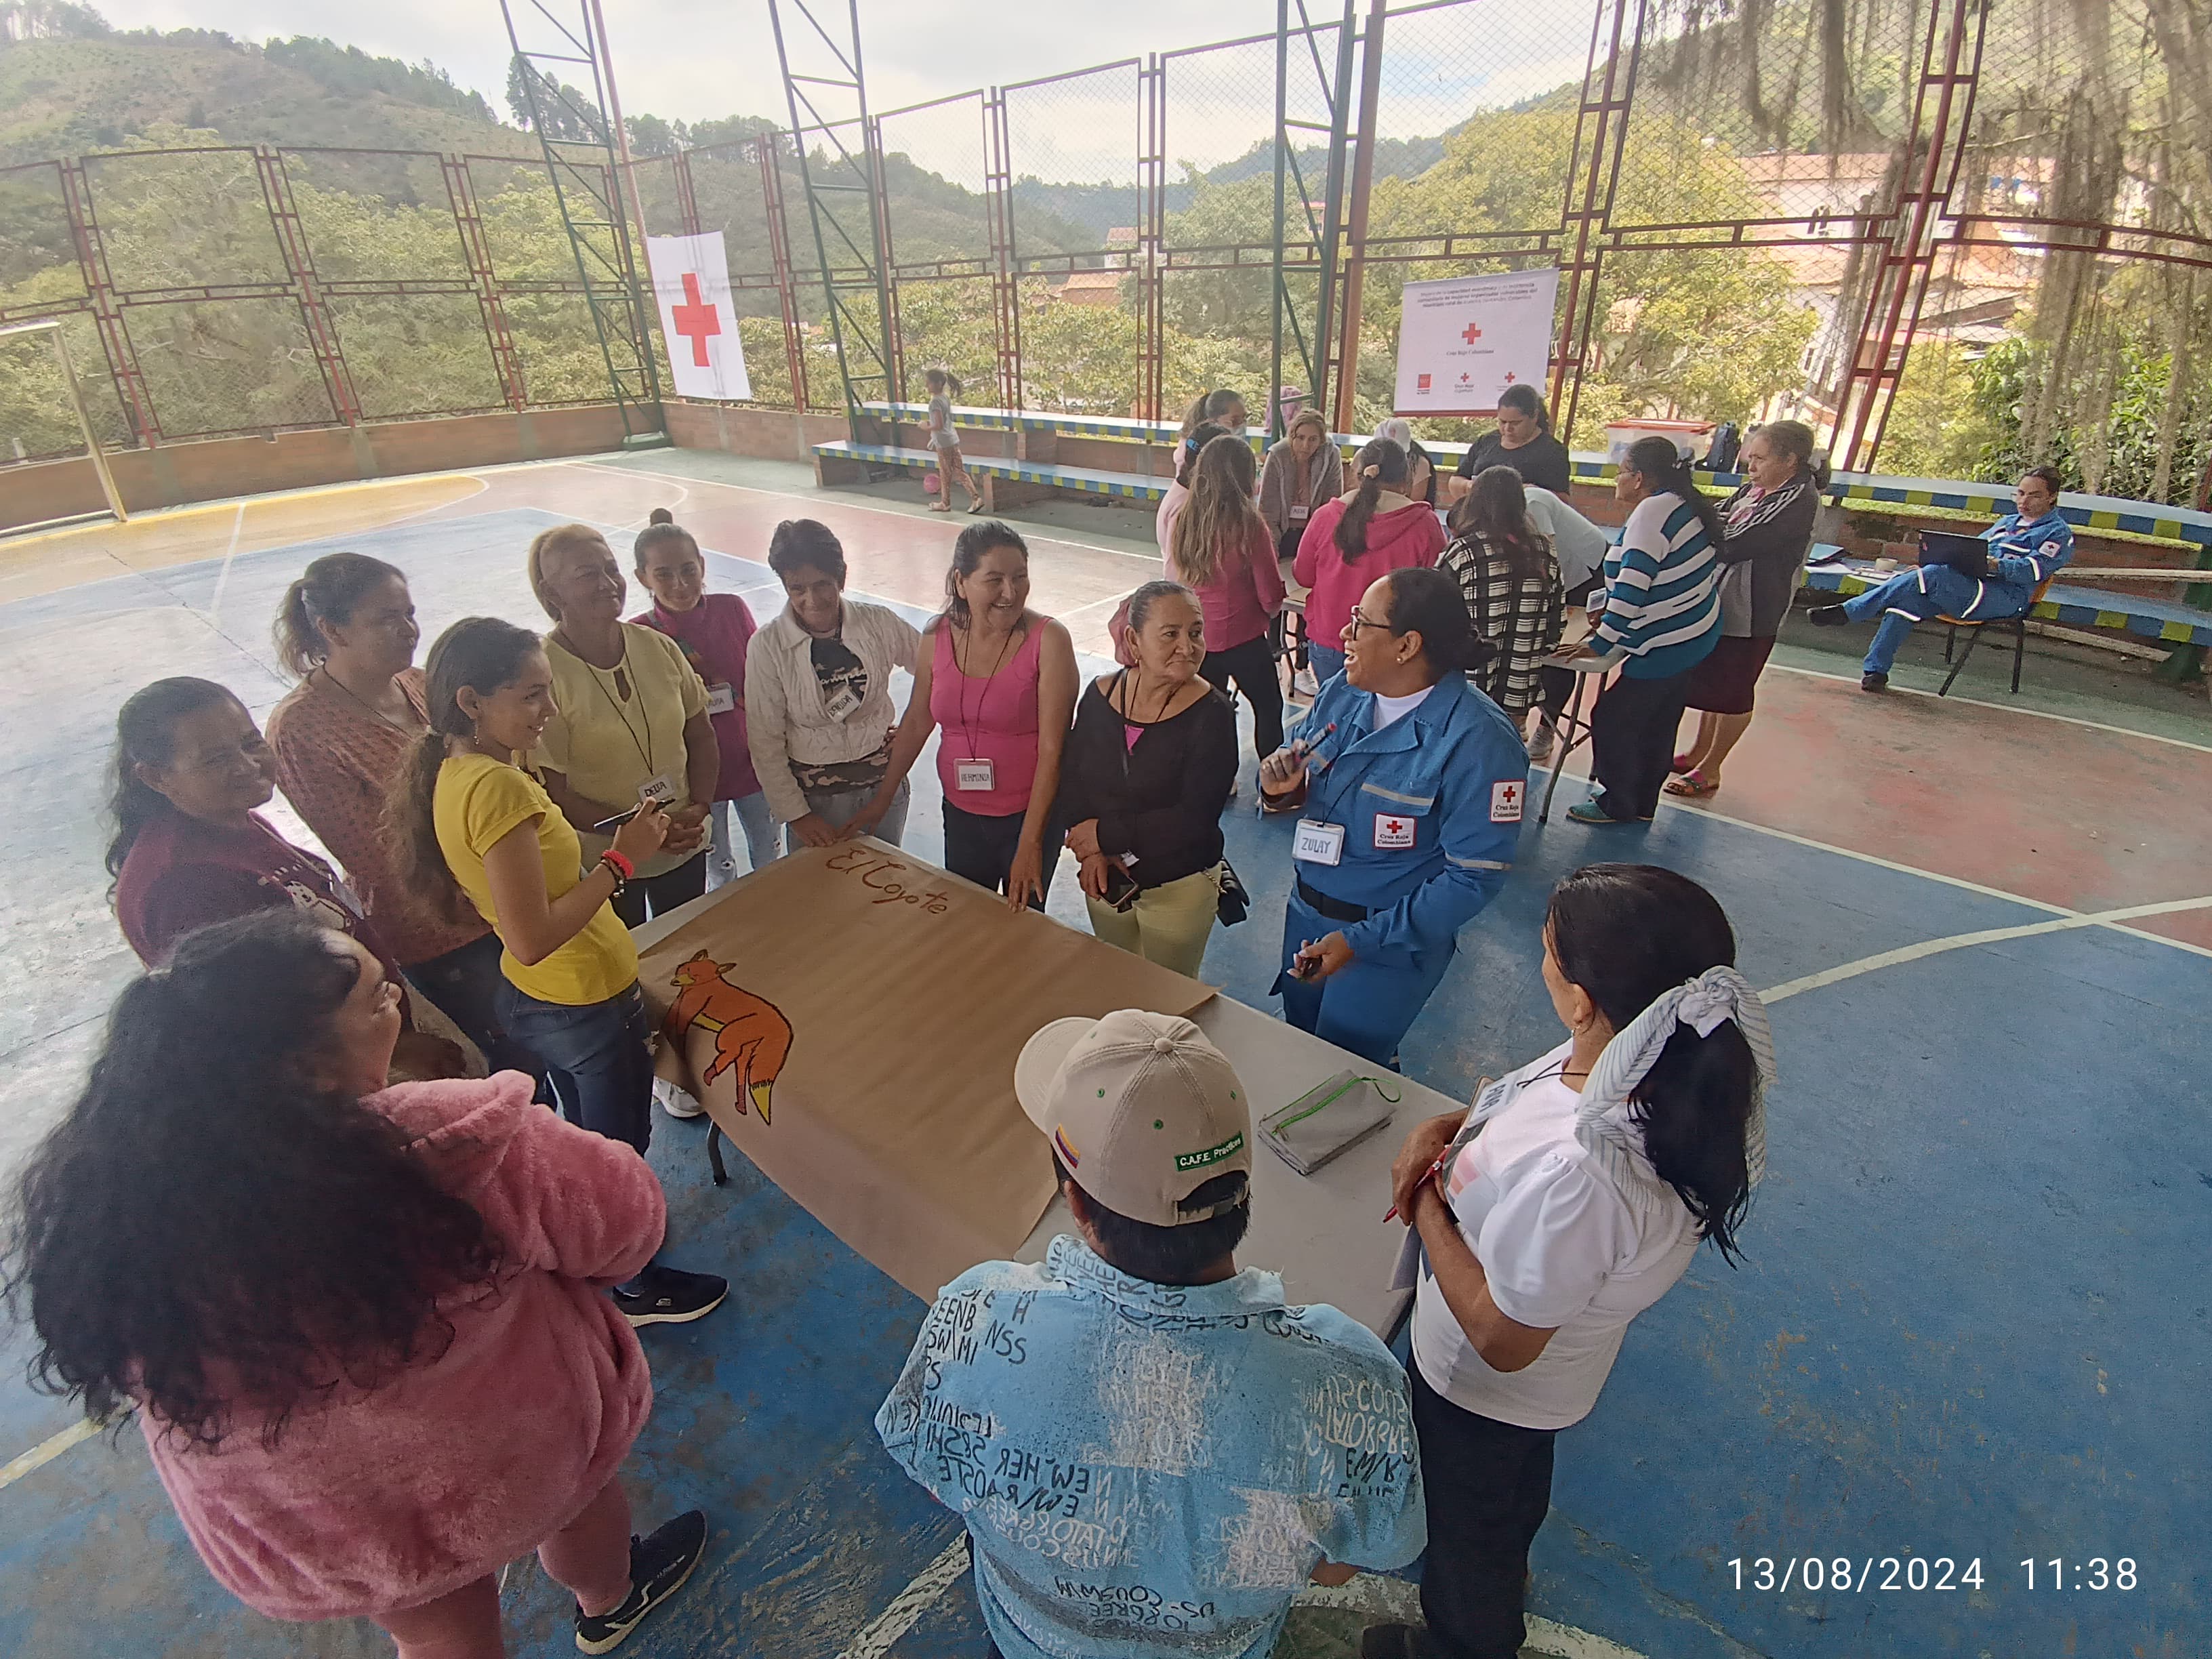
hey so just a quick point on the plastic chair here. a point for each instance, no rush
(2018, 624)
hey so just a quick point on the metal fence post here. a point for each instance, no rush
(769, 147)
(1151, 233)
(299, 262)
(1601, 129)
(476, 253)
(114, 338)
(1344, 373)
(1005, 292)
(1942, 111)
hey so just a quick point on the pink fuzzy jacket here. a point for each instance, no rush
(384, 1499)
(1401, 534)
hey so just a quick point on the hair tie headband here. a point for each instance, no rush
(1702, 1004)
(1371, 472)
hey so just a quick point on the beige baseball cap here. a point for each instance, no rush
(1141, 1107)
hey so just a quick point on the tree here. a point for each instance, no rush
(570, 116)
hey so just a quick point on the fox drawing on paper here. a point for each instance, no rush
(752, 1036)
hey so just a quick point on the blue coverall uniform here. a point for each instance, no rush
(1429, 810)
(2022, 554)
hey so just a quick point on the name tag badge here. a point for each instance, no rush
(721, 699)
(844, 704)
(1297, 513)
(972, 773)
(659, 790)
(1318, 843)
(1393, 830)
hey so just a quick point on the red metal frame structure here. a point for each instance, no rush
(1943, 106)
(1898, 233)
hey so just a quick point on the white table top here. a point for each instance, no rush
(1323, 1233)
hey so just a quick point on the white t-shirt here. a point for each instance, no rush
(1391, 710)
(1564, 1249)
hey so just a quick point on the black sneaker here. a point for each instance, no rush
(1826, 616)
(668, 1295)
(1871, 681)
(658, 1567)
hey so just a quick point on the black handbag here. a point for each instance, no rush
(1236, 901)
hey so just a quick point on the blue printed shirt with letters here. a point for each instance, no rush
(1431, 807)
(1152, 1468)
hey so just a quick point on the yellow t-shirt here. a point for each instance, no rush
(609, 746)
(477, 801)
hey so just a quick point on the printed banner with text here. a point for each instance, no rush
(1462, 341)
(691, 285)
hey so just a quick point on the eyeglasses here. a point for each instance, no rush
(1360, 621)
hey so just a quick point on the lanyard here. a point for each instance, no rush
(982, 701)
(644, 748)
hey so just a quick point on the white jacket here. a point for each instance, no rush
(786, 722)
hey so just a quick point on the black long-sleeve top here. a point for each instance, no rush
(1159, 800)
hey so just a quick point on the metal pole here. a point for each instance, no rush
(1355, 230)
(84, 424)
(1281, 295)
(626, 181)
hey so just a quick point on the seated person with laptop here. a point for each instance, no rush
(1985, 579)
(1151, 1452)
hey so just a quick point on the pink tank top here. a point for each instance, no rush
(993, 720)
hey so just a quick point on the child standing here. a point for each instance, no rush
(713, 630)
(944, 387)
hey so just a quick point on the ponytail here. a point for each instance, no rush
(1632, 935)
(481, 653)
(1186, 451)
(327, 590)
(1669, 472)
(1379, 464)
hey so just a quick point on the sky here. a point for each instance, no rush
(698, 59)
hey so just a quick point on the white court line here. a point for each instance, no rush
(879, 1633)
(1987, 936)
(2003, 708)
(223, 576)
(849, 505)
(47, 1449)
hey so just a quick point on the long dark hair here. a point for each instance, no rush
(1667, 473)
(1209, 406)
(215, 1231)
(1186, 451)
(484, 654)
(1526, 400)
(968, 548)
(1628, 933)
(1496, 513)
(1388, 460)
(327, 590)
(145, 735)
(1219, 521)
(1426, 601)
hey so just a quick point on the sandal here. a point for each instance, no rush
(1694, 784)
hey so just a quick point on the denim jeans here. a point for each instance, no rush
(839, 807)
(601, 1067)
(466, 985)
(751, 814)
(656, 896)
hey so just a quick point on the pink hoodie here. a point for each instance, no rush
(1409, 535)
(385, 1499)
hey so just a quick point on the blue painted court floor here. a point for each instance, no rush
(1971, 1327)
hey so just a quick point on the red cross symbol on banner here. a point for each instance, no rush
(696, 320)
(1472, 333)
(1510, 377)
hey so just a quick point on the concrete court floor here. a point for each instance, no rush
(1968, 1325)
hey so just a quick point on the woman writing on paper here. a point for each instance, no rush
(1596, 1172)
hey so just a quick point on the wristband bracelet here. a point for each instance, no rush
(624, 871)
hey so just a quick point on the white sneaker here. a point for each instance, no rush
(674, 1101)
(1539, 746)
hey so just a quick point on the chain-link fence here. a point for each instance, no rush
(1973, 230)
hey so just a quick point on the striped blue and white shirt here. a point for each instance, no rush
(1663, 609)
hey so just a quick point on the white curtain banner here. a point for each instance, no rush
(1462, 341)
(691, 285)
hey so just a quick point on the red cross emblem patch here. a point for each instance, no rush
(1505, 801)
(1393, 829)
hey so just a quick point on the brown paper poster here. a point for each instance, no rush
(850, 1016)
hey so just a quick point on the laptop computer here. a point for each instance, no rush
(1967, 554)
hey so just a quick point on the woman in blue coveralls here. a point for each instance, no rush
(2027, 549)
(1411, 784)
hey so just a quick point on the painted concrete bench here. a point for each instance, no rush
(2164, 621)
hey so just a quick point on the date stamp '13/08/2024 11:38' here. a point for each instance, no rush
(1879, 1574)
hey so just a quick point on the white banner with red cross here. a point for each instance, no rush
(691, 284)
(1463, 340)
